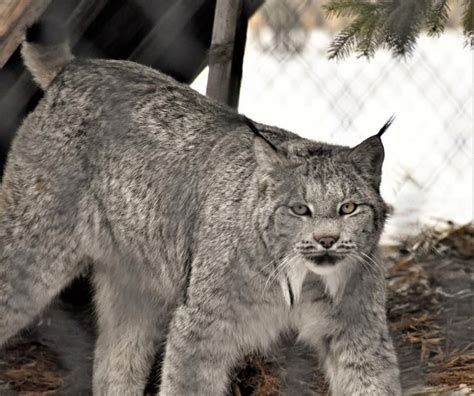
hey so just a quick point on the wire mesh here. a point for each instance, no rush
(288, 81)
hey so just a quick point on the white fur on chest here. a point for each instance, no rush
(291, 282)
(335, 281)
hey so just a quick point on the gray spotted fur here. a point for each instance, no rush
(184, 214)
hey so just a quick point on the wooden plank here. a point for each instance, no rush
(162, 46)
(10, 12)
(82, 17)
(166, 31)
(25, 15)
(238, 58)
(249, 8)
(179, 41)
(225, 53)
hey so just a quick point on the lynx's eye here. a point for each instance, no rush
(347, 208)
(300, 210)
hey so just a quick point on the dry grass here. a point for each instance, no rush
(255, 377)
(417, 308)
(447, 239)
(413, 307)
(30, 369)
(454, 368)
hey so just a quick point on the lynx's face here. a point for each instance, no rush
(324, 213)
(322, 207)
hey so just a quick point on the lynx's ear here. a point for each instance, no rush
(267, 155)
(368, 156)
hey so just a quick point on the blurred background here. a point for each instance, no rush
(288, 81)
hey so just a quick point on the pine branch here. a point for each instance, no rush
(395, 24)
(360, 34)
(344, 43)
(467, 22)
(347, 8)
(403, 25)
(368, 41)
(437, 18)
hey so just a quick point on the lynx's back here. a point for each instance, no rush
(124, 132)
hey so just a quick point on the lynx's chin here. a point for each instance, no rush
(324, 263)
(334, 276)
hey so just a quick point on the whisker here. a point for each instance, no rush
(279, 269)
(273, 273)
(283, 264)
(360, 260)
(371, 259)
(368, 262)
(286, 264)
(271, 263)
(365, 264)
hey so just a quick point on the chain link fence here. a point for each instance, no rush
(288, 81)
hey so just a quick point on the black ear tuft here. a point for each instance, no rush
(368, 157)
(47, 31)
(266, 153)
(386, 125)
(255, 130)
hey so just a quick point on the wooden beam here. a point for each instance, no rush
(227, 51)
(15, 17)
(82, 17)
(10, 12)
(171, 44)
(238, 58)
(166, 30)
(178, 44)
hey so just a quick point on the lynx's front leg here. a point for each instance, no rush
(355, 347)
(362, 362)
(200, 352)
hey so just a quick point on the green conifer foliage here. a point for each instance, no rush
(392, 24)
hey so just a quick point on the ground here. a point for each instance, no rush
(430, 309)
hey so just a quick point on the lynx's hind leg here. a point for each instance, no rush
(39, 256)
(132, 326)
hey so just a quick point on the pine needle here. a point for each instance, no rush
(438, 18)
(395, 24)
(467, 22)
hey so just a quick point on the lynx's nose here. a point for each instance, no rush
(326, 241)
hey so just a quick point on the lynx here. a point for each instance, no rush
(209, 234)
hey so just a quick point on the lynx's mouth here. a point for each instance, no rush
(324, 258)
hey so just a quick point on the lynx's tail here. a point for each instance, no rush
(45, 52)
